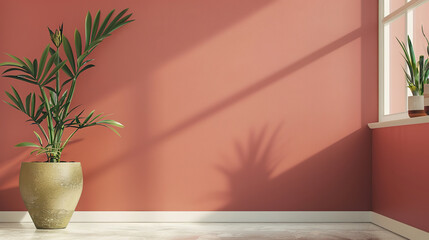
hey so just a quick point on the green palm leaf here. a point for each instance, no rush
(27, 144)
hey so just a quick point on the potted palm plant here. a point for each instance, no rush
(51, 189)
(416, 78)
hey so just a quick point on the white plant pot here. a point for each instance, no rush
(416, 106)
(426, 96)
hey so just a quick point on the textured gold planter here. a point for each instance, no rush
(50, 191)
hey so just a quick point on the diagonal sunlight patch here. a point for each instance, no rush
(258, 86)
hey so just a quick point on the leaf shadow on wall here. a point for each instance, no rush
(137, 148)
(216, 108)
(235, 98)
(257, 162)
(158, 23)
(330, 180)
(313, 183)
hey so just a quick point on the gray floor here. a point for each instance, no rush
(200, 231)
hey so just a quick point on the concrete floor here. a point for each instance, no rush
(200, 231)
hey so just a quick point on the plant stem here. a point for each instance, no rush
(44, 134)
(58, 74)
(58, 136)
(49, 118)
(68, 103)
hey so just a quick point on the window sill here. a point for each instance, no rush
(400, 122)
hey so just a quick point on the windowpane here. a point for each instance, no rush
(394, 103)
(394, 4)
(421, 18)
(396, 77)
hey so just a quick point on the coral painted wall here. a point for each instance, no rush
(400, 174)
(228, 105)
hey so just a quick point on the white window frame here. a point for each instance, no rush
(384, 18)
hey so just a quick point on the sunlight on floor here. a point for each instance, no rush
(200, 231)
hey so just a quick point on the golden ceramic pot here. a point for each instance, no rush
(50, 191)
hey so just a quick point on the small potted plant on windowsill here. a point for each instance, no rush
(426, 85)
(51, 189)
(416, 78)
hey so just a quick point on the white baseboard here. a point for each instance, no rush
(202, 216)
(233, 216)
(398, 227)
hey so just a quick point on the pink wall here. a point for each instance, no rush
(400, 174)
(228, 105)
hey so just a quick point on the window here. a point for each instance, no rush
(397, 19)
